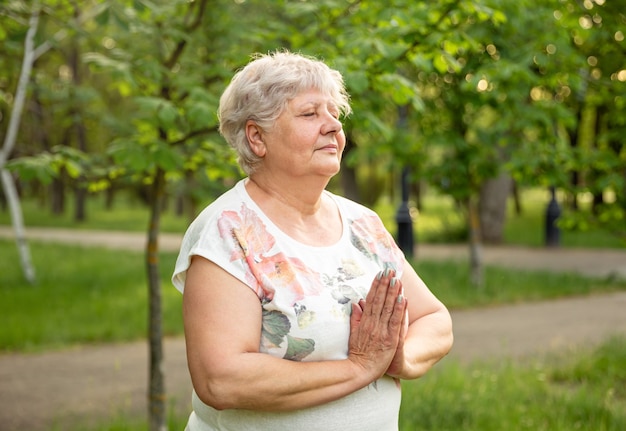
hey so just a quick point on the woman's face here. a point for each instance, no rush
(307, 138)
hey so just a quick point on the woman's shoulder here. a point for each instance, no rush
(230, 200)
(352, 210)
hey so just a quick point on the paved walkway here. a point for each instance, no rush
(87, 383)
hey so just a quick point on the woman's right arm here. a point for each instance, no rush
(222, 318)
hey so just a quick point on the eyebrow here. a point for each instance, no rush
(316, 104)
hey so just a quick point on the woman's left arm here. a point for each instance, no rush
(428, 336)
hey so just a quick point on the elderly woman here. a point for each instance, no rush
(300, 311)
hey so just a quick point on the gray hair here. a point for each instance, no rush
(261, 90)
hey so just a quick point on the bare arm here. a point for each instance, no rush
(429, 334)
(222, 320)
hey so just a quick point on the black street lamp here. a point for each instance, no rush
(404, 219)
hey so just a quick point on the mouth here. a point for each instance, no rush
(329, 148)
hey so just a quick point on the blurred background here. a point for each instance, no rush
(483, 123)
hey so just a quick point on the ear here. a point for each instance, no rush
(254, 133)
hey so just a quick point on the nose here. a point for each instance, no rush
(331, 124)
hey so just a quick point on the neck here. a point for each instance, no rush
(298, 208)
(303, 197)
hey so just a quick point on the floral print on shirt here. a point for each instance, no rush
(370, 237)
(269, 271)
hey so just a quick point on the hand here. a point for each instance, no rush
(376, 326)
(397, 363)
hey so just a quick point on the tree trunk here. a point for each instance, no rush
(348, 180)
(476, 261)
(574, 136)
(598, 196)
(156, 396)
(517, 202)
(80, 193)
(492, 208)
(57, 196)
(9, 142)
(18, 225)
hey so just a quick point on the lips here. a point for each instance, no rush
(332, 147)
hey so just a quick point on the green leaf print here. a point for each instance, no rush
(360, 245)
(275, 327)
(299, 348)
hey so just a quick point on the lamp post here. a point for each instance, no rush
(403, 217)
(403, 214)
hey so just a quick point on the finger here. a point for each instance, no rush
(357, 313)
(399, 317)
(393, 296)
(377, 296)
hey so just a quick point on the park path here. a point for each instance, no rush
(84, 384)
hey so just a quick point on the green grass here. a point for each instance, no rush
(88, 295)
(577, 390)
(450, 282)
(82, 295)
(123, 422)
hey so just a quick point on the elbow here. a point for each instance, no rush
(447, 343)
(217, 395)
(446, 338)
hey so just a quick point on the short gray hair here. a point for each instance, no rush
(261, 90)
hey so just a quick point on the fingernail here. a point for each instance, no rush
(393, 282)
(400, 298)
(386, 272)
(379, 275)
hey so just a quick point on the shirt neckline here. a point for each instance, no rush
(240, 187)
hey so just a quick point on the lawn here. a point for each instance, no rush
(577, 390)
(92, 295)
(86, 295)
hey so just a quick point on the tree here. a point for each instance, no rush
(596, 34)
(9, 143)
(483, 99)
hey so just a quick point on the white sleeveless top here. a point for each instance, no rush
(306, 294)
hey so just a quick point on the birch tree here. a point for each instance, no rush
(10, 138)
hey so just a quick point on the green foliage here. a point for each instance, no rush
(483, 96)
(49, 165)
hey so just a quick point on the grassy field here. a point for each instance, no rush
(581, 390)
(88, 295)
(95, 295)
(81, 296)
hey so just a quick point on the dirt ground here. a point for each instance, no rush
(85, 384)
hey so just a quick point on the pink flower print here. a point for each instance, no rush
(251, 242)
(290, 276)
(259, 281)
(250, 228)
(369, 235)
